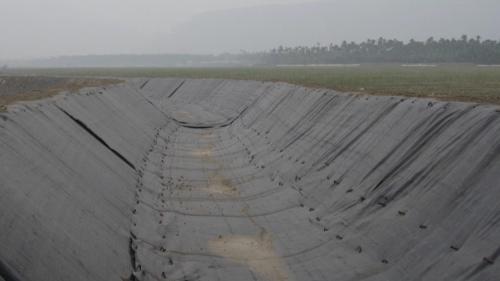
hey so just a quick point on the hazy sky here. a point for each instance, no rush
(31, 28)
(40, 28)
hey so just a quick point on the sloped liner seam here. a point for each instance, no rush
(98, 138)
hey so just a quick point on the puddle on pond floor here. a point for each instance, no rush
(256, 252)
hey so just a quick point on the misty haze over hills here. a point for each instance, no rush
(265, 27)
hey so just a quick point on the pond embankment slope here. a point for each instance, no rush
(175, 179)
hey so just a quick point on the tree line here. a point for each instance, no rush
(462, 50)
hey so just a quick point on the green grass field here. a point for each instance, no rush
(447, 82)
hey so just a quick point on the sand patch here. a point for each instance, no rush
(203, 152)
(218, 184)
(183, 114)
(208, 135)
(256, 252)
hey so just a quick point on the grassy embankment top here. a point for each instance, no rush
(469, 83)
(13, 89)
